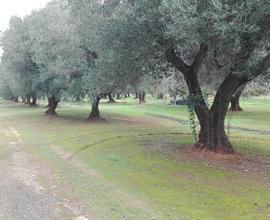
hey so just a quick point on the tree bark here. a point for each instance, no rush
(23, 99)
(201, 109)
(15, 99)
(142, 97)
(28, 100)
(52, 105)
(174, 99)
(212, 133)
(111, 99)
(216, 135)
(160, 96)
(95, 113)
(235, 100)
(77, 99)
(34, 100)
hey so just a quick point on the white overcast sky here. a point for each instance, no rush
(17, 7)
(20, 8)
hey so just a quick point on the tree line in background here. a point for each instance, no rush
(98, 48)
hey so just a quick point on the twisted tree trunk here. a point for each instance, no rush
(16, 99)
(28, 99)
(23, 99)
(160, 96)
(111, 99)
(77, 99)
(95, 113)
(34, 100)
(52, 105)
(174, 99)
(212, 133)
(215, 136)
(235, 100)
(142, 97)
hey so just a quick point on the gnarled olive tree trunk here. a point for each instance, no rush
(28, 99)
(111, 99)
(15, 98)
(235, 100)
(215, 137)
(23, 99)
(212, 133)
(34, 100)
(52, 105)
(95, 113)
(160, 96)
(142, 97)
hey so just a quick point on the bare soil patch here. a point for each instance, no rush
(233, 162)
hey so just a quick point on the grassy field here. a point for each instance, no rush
(137, 164)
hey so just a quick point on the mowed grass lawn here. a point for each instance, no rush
(137, 164)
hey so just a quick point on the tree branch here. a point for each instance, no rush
(177, 61)
(197, 63)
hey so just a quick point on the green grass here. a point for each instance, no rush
(139, 171)
(3, 146)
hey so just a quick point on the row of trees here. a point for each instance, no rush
(98, 47)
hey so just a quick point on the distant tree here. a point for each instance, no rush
(110, 98)
(107, 72)
(5, 90)
(19, 69)
(56, 50)
(259, 86)
(235, 99)
(176, 86)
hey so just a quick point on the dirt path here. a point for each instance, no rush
(22, 196)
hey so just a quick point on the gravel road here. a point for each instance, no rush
(22, 197)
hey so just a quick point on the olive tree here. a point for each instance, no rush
(106, 69)
(56, 50)
(19, 69)
(191, 33)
